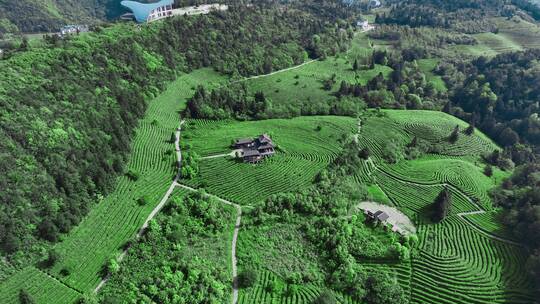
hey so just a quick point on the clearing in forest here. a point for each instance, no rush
(396, 219)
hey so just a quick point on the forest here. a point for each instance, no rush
(67, 121)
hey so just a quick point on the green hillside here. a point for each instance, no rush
(50, 15)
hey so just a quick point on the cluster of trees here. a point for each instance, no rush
(160, 268)
(462, 16)
(232, 101)
(406, 86)
(520, 196)
(237, 102)
(70, 108)
(500, 96)
(190, 164)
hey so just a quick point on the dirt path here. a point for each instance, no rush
(274, 73)
(231, 154)
(157, 208)
(234, 239)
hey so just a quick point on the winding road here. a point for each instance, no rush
(234, 239)
(162, 203)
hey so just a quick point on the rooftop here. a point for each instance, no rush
(381, 215)
(143, 10)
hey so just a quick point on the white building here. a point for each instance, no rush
(374, 3)
(73, 29)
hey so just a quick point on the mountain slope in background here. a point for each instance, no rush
(50, 15)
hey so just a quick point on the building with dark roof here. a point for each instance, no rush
(379, 216)
(256, 149)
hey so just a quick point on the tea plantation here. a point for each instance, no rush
(467, 258)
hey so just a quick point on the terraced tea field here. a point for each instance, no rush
(43, 288)
(303, 150)
(468, 257)
(116, 219)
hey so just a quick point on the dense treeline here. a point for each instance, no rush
(50, 15)
(69, 110)
(235, 101)
(463, 16)
(520, 196)
(500, 96)
(421, 41)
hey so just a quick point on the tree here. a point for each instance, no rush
(11, 243)
(25, 297)
(143, 200)
(470, 129)
(344, 88)
(384, 289)
(447, 107)
(112, 266)
(247, 278)
(364, 153)
(454, 136)
(355, 65)
(413, 143)
(48, 231)
(52, 258)
(325, 297)
(488, 170)
(509, 137)
(442, 204)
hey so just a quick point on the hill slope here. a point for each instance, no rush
(49, 15)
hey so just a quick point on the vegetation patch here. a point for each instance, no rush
(184, 255)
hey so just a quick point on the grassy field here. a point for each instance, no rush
(305, 84)
(303, 150)
(427, 66)
(514, 35)
(115, 219)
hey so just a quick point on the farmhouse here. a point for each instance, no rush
(73, 29)
(256, 149)
(379, 216)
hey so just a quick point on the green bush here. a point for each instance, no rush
(247, 278)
